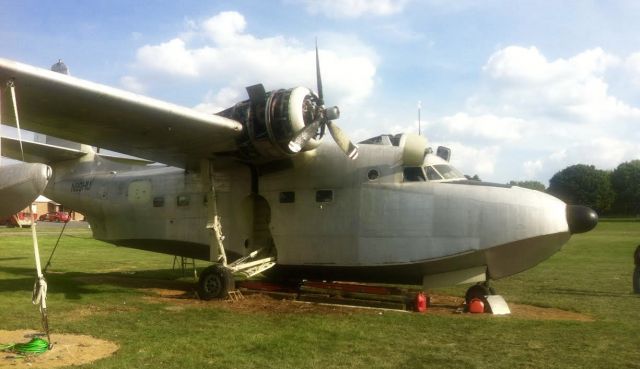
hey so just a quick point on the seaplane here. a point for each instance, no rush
(255, 188)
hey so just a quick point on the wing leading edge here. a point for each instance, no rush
(87, 112)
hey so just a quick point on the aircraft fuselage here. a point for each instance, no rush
(324, 216)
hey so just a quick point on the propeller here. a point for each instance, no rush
(324, 118)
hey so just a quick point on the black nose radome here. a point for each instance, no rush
(581, 218)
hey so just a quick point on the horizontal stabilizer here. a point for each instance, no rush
(35, 152)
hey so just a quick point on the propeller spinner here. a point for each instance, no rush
(325, 117)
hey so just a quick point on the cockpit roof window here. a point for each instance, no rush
(448, 172)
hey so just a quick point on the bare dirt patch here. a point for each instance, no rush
(68, 350)
(86, 311)
(260, 303)
(250, 304)
(180, 295)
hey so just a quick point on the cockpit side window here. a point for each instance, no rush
(432, 174)
(414, 174)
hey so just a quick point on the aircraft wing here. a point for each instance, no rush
(74, 109)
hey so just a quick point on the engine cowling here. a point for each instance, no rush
(271, 120)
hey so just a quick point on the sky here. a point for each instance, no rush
(517, 89)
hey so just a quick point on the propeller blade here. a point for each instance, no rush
(343, 141)
(319, 77)
(303, 136)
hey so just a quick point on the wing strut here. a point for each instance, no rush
(12, 86)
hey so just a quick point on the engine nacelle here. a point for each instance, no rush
(271, 120)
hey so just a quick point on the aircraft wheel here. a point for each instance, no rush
(478, 291)
(215, 282)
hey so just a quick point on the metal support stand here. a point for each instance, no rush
(250, 268)
(234, 296)
(184, 263)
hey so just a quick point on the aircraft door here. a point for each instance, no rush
(261, 234)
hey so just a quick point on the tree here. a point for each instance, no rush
(532, 185)
(583, 185)
(625, 182)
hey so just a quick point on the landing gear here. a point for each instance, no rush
(479, 291)
(215, 282)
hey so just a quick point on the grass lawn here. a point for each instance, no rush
(591, 275)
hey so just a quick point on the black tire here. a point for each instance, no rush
(215, 282)
(478, 291)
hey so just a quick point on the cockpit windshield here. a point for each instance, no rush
(432, 174)
(435, 172)
(448, 172)
(442, 172)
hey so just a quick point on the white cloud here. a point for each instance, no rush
(132, 84)
(559, 156)
(525, 82)
(171, 57)
(532, 168)
(603, 152)
(354, 8)
(473, 160)
(632, 64)
(221, 100)
(486, 126)
(545, 115)
(220, 53)
(517, 65)
(407, 128)
(225, 27)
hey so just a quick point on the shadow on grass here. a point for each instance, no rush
(76, 284)
(578, 292)
(80, 236)
(13, 258)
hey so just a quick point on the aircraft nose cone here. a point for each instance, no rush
(581, 218)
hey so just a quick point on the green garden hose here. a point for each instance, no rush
(36, 346)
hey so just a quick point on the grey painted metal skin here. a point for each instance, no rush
(383, 229)
(82, 111)
(20, 185)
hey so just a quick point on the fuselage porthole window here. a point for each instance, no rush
(182, 200)
(158, 201)
(324, 195)
(373, 174)
(287, 197)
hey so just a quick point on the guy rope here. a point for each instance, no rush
(39, 297)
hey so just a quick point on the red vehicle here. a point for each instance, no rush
(56, 216)
(20, 219)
